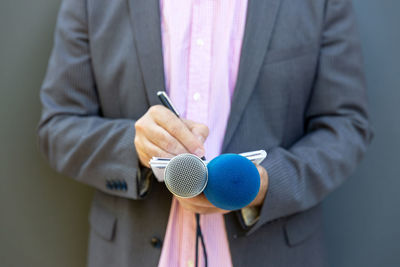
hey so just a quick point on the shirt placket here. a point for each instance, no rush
(199, 62)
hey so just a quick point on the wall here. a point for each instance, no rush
(362, 218)
(44, 215)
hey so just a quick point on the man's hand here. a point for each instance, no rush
(200, 204)
(259, 200)
(160, 133)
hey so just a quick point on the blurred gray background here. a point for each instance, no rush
(44, 215)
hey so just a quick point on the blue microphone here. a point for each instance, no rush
(233, 182)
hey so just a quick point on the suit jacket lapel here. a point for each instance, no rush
(145, 20)
(259, 25)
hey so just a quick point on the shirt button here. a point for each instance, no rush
(196, 96)
(200, 42)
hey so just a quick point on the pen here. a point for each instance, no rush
(168, 104)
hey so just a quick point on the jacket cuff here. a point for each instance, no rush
(271, 207)
(144, 178)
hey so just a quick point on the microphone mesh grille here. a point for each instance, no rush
(186, 175)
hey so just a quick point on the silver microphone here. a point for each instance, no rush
(186, 175)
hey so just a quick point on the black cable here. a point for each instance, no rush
(197, 239)
(199, 235)
(204, 246)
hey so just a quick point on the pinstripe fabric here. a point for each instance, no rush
(201, 49)
(300, 94)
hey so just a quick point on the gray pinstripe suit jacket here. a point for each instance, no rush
(300, 94)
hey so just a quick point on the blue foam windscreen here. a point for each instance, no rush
(233, 182)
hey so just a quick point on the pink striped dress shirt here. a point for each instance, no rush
(202, 40)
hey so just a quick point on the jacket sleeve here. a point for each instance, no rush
(337, 128)
(73, 136)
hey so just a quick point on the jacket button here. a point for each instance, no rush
(118, 185)
(109, 185)
(235, 236)
(156, 242)
(124, 186)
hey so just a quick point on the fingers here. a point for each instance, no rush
(146, 150)
(201, 131)
(160, 133)
(177, 129)
(201, 210)
(188, 205)
(200, 200)
(161, 138)
(262, 171)
(200, 204)
(259, 200)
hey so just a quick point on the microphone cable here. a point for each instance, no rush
(199, 235)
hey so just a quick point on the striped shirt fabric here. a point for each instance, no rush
(202, 41)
